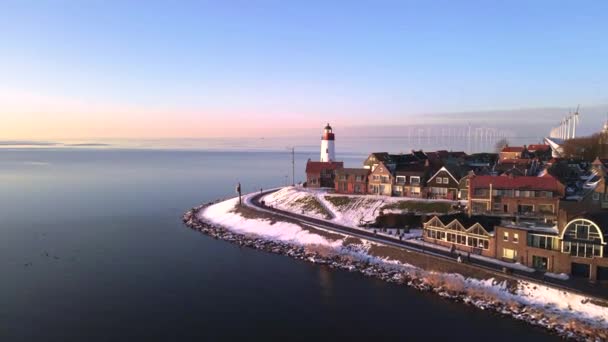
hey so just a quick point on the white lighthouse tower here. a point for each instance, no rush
(328, 152)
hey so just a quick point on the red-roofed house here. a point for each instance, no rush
(538, 148)
(512, 152)
(508, 195)
(321, 174)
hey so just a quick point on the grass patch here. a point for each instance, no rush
(250, 213)
(352, 241)
(417, 206)
(340, 202)
(310, 204)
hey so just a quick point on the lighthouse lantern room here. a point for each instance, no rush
(328, 152)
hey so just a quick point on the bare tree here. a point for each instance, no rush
(500, 144)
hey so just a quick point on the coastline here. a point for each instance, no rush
(354, 260)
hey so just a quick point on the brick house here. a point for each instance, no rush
(444, 183)
(463, 186)
(577, 247)
(533, 246)
(321, 174)
(592, 197)
(510, 196)
(410, 180)
(380, 180)
(467, 234)
(351, 180)
(512, 152)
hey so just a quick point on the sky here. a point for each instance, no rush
(160, 69)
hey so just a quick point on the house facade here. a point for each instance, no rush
(443, 184)
(380, 180)
(351, 180)
(470, 235)
(511, 196)
(410, 180)
(577, 248)
(321, 174)
(512, 152)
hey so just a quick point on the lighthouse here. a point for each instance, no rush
(328, 152)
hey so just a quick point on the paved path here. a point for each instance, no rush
(580, 286)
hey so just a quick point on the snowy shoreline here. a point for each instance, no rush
(580, 321)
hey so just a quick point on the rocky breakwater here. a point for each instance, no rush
(352, 260)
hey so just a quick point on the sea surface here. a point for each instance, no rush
(92, 249)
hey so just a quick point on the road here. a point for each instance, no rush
(580, 286)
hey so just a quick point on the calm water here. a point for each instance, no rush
(121, 266)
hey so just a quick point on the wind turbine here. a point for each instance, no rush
(567, 120)
(575, 118)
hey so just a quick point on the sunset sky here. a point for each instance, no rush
(149, 69)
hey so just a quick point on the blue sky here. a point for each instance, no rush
(288, 63)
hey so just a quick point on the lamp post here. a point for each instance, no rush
(238, 191)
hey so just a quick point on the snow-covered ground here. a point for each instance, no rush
(563, 304)
(357, 211)
(222, 214)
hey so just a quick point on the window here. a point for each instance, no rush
(461, 239)
(505, 236)
(376, 178)
(358, 178)
(451, 237)
(515, 237)
(544, 242)
(415, 190)
(582, 232)
(525, 208)
(545, 208)
(471, 241)
(445, 180)
(400, 179)
(439, 191)
(485, 244)
(596, 196)
(481, 192)
(438, 180)
(540, 263)
(342, 177)
(582, 250)
(357, 188)
(384, 179)
(414, 179)
(508, 253)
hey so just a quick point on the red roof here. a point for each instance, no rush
(317, 167)
(538, 147)
(513, 149)
(546, 182)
